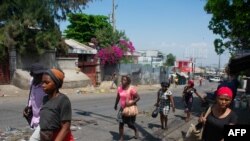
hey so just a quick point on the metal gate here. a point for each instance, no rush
(4, 70)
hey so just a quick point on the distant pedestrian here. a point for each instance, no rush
(36, 98)
(126, 93)
(56, 112)
(220, 115)
(200, 80)
(187, 96)
(164, 102)
(114, 80)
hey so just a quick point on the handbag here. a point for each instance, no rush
(27, 112)
(195, 132)
(130, 111)
(155, 112)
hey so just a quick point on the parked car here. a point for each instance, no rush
(214, 79)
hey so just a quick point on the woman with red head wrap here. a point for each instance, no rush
(191, 83)
(220, 115)
(187, 96)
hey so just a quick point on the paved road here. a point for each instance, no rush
(95, 119)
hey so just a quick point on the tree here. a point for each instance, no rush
(83, 27)
(113, 45)
(31, 26)
(117, 52)
(107, 37)
(230, 20)
(170, 60)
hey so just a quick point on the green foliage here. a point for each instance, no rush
(97, 29)
(230, 20)
(83, 27)
(170, 60)
(32, 29)
(106, 37)
(30, 25)
(127, 60)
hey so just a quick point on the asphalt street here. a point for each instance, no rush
(94, 117)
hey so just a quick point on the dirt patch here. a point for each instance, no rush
(11, 90)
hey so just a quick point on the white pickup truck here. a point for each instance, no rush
(215, 79)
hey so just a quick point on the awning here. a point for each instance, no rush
(239, 64)
(79, 48)
(182, 74)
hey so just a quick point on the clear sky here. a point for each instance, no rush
(179, 27)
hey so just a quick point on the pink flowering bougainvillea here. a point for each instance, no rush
(113, 54)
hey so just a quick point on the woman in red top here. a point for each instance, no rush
(126, 93)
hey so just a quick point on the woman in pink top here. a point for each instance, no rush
(124, 91)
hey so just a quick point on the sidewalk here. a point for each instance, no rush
(13, 91)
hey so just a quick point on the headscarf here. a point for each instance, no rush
(191, 83)
(224, 91)
(57, 76)
(37, 68)
(165, 84)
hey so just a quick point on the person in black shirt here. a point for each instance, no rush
(56, 112)
(187, 96)
(220, 115)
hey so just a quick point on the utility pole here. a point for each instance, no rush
(219, 62)
(218, 71)
(113, 15)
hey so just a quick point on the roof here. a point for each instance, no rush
(79, 48)
(182, 74)
(133, 54)
(189, 61)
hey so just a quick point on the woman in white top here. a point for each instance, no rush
(164, 102)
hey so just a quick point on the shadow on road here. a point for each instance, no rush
(152, 125)
(144, 134)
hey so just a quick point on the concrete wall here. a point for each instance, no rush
(21, 79)
(140, 74)
(67, 63)
(73, 79)
(48, 59)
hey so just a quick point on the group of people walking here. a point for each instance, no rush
(52, 113)
(221, 111)
(51, 109)
(221, 114)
